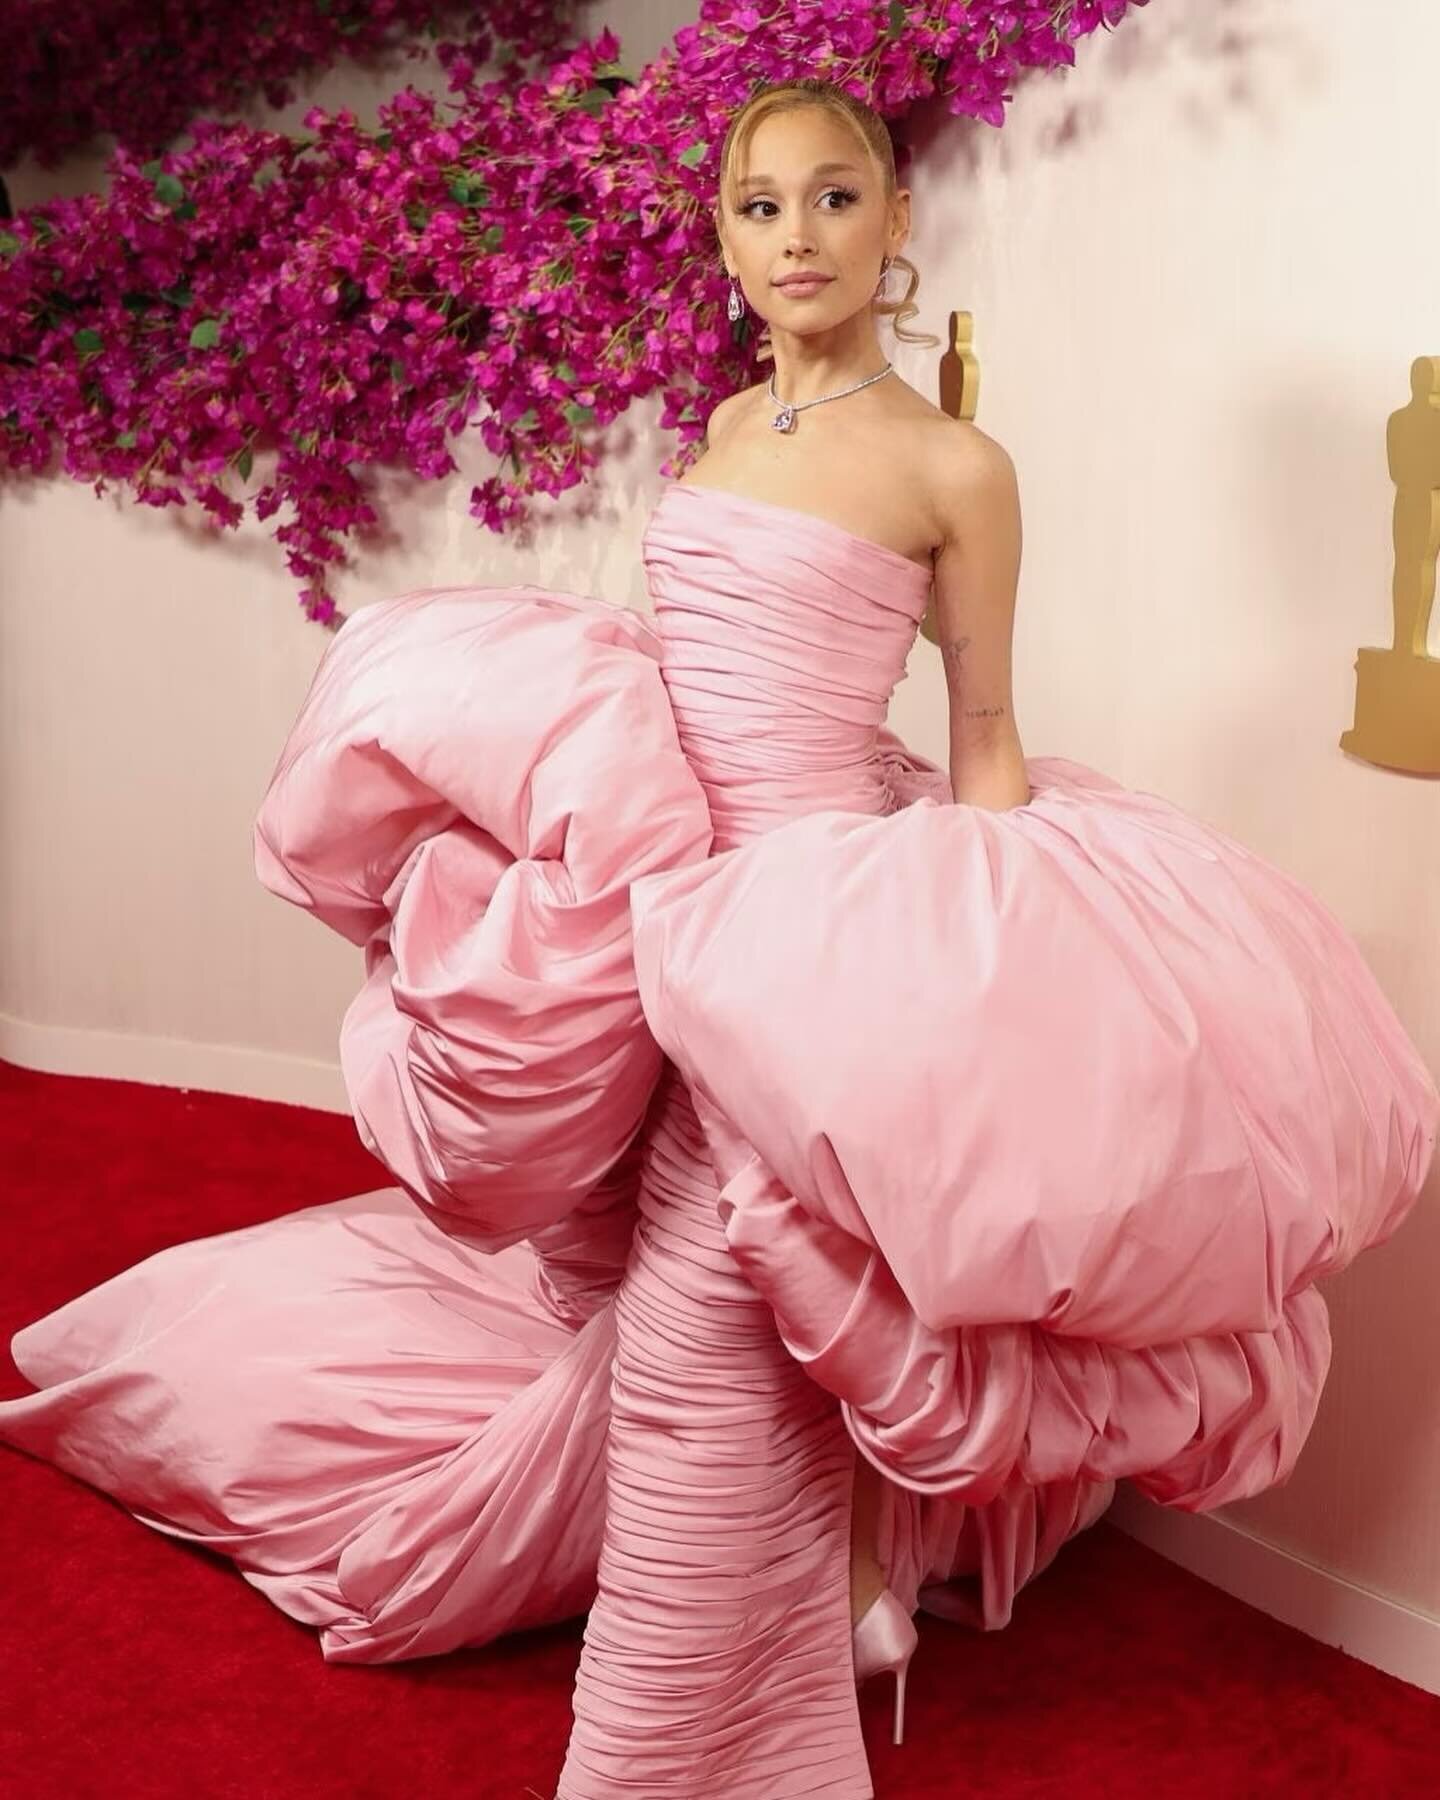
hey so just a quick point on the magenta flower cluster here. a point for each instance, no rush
(141, 70)
(538, 253)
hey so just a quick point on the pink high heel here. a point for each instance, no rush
(884, 1637)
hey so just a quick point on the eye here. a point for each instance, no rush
(847, 194)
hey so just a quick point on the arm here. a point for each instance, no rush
(977, 572)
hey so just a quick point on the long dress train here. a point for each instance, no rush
(750, 1108)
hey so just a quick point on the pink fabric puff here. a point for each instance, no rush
(478, 836)
(1038, 1126)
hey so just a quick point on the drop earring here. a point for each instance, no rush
(880, 285)
(736, 304)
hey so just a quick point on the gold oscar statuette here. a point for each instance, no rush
(959, 392)
(1397, 689)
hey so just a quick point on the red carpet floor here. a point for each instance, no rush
(132, 1666)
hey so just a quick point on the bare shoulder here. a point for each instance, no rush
(962, 479)
(967, 477)
(967, 471)
(725, 412)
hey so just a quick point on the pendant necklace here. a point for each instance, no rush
(784, 419)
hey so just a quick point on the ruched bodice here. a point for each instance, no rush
(783, 636)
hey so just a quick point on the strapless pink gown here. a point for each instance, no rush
(753, 1107)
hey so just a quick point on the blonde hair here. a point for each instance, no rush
(810, 90)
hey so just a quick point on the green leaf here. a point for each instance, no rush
(593, 100)
(417, 215)
(693, 155)
(896, 20)
(384, 139)
(168, 189)
(126, 440)
(578, 415)
(205, 335)
(492, 237)
(8, 244)
(150, 169)
(88, 340)
(180, 295)
(185, 210)
(565, 371)
(397, 369)
(469, 190)
(577, 225)
(527, 421)
(245, 462)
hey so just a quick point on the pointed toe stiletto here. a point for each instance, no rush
(883, 1638)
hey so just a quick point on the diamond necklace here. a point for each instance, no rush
(784, 420)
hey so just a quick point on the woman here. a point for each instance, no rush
(1003, 1125)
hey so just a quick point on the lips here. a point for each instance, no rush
(803, 282)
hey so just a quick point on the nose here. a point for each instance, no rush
(799, 241)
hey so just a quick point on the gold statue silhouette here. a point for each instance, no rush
(959, 394)
(1397, 690)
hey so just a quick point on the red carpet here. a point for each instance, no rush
(133, 1666)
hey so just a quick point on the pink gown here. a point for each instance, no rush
(752, 1107)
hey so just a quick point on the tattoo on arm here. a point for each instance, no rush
(951, 650)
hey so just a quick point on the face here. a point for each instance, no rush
(810, 198)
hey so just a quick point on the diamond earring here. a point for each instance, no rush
(736, 304)
(880, 285)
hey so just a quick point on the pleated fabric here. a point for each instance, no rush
(716, 1656)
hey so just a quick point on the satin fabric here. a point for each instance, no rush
(751, 1107)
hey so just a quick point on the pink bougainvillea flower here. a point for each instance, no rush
(531, 256)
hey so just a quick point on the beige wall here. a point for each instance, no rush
(1200, 266)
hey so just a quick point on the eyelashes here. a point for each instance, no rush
(850, 196)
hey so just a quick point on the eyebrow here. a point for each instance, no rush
(826, 168)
